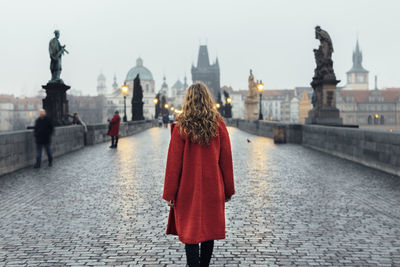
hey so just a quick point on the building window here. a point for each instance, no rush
(360, 78)
(382, 120)
(147, 87)
(369, 119)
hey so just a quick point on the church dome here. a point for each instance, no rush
(101, 77)
(144, 73)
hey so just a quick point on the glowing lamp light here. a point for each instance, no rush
(124, 89)
(391, 130)
(218, 105)
(155, 100)
(172, 108)
(260, 87)
(229, 100)
(376, 116)
(166, 106)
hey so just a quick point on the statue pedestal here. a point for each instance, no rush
(251, 108)
(324, 111)
(56, 103)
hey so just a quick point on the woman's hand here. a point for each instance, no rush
(170, 203)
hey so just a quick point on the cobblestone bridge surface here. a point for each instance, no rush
(293, 206)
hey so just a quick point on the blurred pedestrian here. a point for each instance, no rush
(76, 119)
(160, 120)
(113, 129)
(198, 176)
(42, 131)
(165, 120)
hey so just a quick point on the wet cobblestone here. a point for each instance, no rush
(293, 207)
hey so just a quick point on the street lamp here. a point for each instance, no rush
(229, 100)
(260, 88)
(166, 106)
(218, 105)
(155, 101)
(124, 90)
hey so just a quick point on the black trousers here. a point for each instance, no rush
(39, 151)
(202, 260)
(114, 143)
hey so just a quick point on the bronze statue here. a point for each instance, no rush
(56, 51)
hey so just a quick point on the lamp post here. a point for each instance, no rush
(124, 90)
(155, 101)
(260, 88)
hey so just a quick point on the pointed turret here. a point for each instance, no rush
(115, 84)
(185, 84)
(357, 60)
(203, 60)
(357, 76)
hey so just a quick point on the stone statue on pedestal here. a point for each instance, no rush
(56, 51)
(56, 103)
(324, 83)
(252, 100)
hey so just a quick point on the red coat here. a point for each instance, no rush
(198, 178)
(114, 131)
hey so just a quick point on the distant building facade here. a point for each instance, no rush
(17, 113)
(206, 72)
(370, 107)
(91, 109)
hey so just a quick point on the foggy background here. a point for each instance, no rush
(274, 38)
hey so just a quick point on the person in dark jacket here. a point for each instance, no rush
(113, 129)
(43, 130)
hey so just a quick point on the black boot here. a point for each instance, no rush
(116, 142)
(36, 166)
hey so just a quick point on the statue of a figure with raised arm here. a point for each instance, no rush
(56, 51)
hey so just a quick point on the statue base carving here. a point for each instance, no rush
(56, 103)
(324, 111)
(251, 109)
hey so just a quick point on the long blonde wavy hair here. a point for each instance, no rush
(199, 118)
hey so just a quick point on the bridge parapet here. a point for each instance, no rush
(17, 148)
(375, 149)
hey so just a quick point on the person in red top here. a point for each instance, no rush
(198, 176)
(113, 129)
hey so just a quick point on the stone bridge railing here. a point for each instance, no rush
(375, 149)
(17, 149)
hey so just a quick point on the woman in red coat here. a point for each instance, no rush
(113, 130)
(199, 175)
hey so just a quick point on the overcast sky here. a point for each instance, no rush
(274, 38)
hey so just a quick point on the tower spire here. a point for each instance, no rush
(203, 60)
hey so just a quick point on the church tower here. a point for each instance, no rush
(101, 84)
(357, 76)
(115, 84)
(206, 72)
